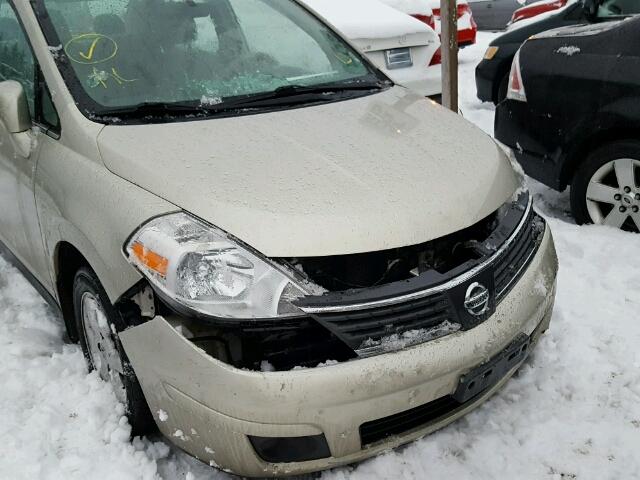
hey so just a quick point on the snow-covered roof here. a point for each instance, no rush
(358, 19)
(410, 7)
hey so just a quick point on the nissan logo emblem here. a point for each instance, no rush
(476, 300)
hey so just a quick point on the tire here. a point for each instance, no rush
(502, 89)
(100, 325)
(596, 193)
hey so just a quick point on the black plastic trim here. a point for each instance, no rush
(291, 449)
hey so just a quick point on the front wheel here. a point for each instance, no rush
(606, 188)
(98, 324)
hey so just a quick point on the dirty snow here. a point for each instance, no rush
(573, 412)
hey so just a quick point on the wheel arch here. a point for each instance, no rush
(590, 143)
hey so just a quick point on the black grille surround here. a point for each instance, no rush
(432, 305)
(417, 417)
(510, 266)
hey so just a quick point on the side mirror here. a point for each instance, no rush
(14, 109)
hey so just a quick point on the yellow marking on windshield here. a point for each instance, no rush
(91, 51)
(346, 59)
(84, 48)
(119, 78)
(101, 77)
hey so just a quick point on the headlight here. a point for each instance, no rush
(490, 53)
(202, 268)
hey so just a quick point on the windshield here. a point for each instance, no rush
(116, 54)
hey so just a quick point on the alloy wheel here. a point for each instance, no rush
(99, 339)
(613, 195)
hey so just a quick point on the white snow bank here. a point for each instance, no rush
(56, 421)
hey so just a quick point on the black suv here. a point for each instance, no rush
(493, 71)
(572, 117)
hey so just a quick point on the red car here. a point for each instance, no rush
(537, 8)
(428, 11)
(467, 28)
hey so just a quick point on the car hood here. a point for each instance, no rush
(382, 171)
(579, 30)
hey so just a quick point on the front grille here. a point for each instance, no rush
(433, 310)
(360, 327)
(403, 422)
(510, 266)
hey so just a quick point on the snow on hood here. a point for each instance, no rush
(579, 30)
(377, 172)
(367, 19)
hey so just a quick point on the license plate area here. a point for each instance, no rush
(398, 58)
(488, 374)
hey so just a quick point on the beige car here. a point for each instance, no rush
(280, 258)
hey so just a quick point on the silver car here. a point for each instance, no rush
(280, 258)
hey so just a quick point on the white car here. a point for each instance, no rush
(404, 48)
(419, 9)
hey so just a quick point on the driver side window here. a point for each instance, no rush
(16, 60)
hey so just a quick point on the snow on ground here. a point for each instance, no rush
(572, 412)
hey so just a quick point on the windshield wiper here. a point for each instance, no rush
(288, 94)
(302, 93)
(154, 109)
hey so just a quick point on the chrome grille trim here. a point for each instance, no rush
(432, 290)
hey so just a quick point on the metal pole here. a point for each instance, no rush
(449, 39)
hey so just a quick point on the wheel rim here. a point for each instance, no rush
(103, 353)
(613, 195)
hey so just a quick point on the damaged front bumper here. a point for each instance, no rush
(343, 413)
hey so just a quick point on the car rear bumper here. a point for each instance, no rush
(211, 409)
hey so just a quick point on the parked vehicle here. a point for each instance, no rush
(418, 9)
(494, 14)
(404, 48)
(579, 87)
(536, 8)
(492, 73)
(256, 245)
(467, 28)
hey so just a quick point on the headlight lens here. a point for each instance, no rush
(204, 269)
(490, 53)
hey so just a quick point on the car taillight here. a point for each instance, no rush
(437, 58)
(428, 19)
(515, 90)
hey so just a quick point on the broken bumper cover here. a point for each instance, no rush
(215, 411)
